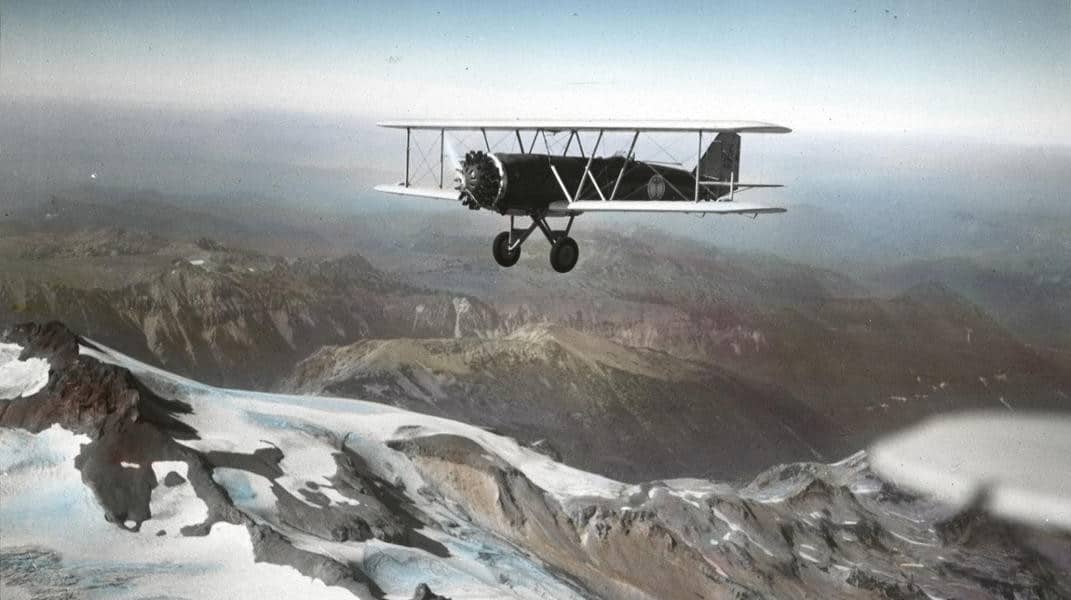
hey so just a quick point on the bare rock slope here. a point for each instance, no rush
(629, 413)
(242, 319)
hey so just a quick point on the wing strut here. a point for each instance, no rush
(565, 192)
(624, 165)
(587, 167)
(698, 160)
(408, 135)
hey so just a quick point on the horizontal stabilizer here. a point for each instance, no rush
(665, 206)
(420, 192)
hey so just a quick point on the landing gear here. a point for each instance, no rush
(504, 255)
(564, 254)
(563, 249)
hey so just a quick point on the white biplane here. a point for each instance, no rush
(538, 185)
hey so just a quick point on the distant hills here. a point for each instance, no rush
(655, 354)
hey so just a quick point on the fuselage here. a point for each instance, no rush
(529, 183)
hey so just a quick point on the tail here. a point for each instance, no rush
(721, 161)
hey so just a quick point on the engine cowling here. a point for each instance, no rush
(482, 182)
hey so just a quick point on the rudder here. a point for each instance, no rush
(721, 161)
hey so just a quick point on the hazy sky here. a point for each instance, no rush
(979, 69)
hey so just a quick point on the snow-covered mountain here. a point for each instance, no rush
(121, 480)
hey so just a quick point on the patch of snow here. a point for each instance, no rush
(698, 488)
(688, 497)
(175, 507)
(335, 497)
(909, 540)
(20, 378)
(854, 458)
(865, 488)
(44, 503)
(129, 465)
(197, 262)
(735, 528)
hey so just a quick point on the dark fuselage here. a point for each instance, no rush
(530, 185)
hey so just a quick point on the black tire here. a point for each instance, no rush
(564, 254)
(503, 255)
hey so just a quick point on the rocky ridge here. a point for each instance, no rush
(241, 320)
(628, 413)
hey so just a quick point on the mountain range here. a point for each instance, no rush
(660, 356)
(181, 489)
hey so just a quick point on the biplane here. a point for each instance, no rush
(545, 183)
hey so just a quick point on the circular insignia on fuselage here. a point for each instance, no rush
(656, 187)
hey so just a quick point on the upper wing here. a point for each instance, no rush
(587, 125)
(422, 192)
(664, 206)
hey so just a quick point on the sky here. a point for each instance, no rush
(974, 69)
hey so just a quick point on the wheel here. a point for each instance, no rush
(503, 255)
(564, 254)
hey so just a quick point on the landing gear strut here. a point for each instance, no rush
(564, 251)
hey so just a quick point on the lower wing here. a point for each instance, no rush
(622, 206)
(665, 206)
(420, 192)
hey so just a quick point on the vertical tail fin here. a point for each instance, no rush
(721, 161)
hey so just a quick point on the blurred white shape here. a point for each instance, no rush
(1017, 465)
